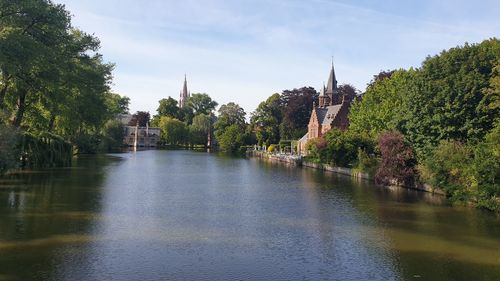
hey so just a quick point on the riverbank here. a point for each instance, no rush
(299, 161)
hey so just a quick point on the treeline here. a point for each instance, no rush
(285, 116)
(196, 123)
(54, 83)
(437, 124)
(281, 116)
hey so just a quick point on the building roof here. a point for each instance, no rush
(304, 138)
(331, 87)
(326, 115)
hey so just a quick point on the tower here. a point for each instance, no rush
(184, 94)
(332, 91)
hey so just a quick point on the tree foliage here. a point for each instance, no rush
(397, 160)
(173, 131)
(140, 118)
(297, 106)
(452, 101)
(52, 78)
(168, 107)
(201, 103)
(9, 150)
(231, 138)
(266, 120)
(381, 107)
(229, 114)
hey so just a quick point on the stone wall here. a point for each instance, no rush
(299, 162)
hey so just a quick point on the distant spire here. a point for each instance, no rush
(184, 93)
(322, 91)
(331, 87)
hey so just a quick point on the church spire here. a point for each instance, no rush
(184, 93)
(331, 87)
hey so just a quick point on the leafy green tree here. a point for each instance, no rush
(30, 40)
(112, 136)
(452, 101)
(173, 130)
(168, 107)
(201, 128)
(231, 139)
(186, 114)
(117, 104)
(201, 103)
(381, 107)
(229, 114)
(266, 120)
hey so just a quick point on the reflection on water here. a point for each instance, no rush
(180, 215)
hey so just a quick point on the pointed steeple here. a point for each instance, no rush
(185, 88)
(184, 93)
(331, 87)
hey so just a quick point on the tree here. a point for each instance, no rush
(397, 163)
(381, 107)
(173, 130)
(348, 91)
(9, 153)
(229, 114)
(297, 106)
(266, 120)
(30, 37)
(201, 128)
(168, 107)
(384, 74)
(452, 101)
(117, 104)
(51, 76)
(201, 103)
(231, 139)
(112, 136)
(141, 118)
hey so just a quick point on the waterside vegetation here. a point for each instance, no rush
(55, 97)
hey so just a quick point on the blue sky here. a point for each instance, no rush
(244, 51)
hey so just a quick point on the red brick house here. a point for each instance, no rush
(331, 112)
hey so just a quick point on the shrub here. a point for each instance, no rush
(316, 149)
(448, 167)
(231, 139)
(397, 163)
(342, 147)
(271, 148)
(467, 172)
(366, 163)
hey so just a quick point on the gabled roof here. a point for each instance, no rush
(321, 113)
(330, 114)
(326, 115)
(304, 138)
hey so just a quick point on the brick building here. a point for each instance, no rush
(331, 112)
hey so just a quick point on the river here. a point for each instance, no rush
(181, 215)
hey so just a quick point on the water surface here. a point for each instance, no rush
(180, 215)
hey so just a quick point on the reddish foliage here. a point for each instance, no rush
(141, 118)
(397, 165)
